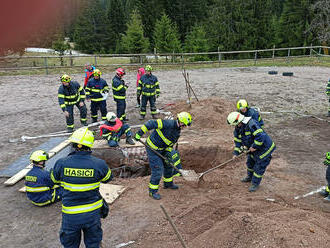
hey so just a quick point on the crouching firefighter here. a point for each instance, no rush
(80, 175)
(40, 189)
(166, 133)
(113, 129)
(326, 192)
(260, 147)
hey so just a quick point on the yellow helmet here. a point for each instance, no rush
(83, 136)
(97, 73)
(234, 118)
(327, 156)
(65, 78)
(148, 68)
(242, 104)
(39, 155)
(185, 118)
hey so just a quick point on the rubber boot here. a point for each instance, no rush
(155, 195)
(84, 123)
(154, 116)
(246, 179)
(324, 193)
(170, 185)
(327, 198)
(253, 188)
(130, 141)
(141, 117)
(94, 120)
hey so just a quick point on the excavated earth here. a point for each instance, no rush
(218, 212)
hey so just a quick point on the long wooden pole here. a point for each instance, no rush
(174, 227)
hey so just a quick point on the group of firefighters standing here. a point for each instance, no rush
(96, 90)
(76, 178)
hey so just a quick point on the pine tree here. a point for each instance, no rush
(117, 19)
(92, 32)
(295, 19)
(133, 41)
(166, 37)
(196, 41)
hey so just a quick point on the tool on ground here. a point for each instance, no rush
(310, 193)
(174, 227)
(200, 177)
(189, 175)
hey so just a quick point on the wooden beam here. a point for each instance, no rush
(22, 173)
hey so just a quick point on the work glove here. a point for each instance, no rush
(137, 137)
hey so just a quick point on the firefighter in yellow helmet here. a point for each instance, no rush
(70, 93)
(80, 175)
(326, 192)
(40, 189)
(166, 133)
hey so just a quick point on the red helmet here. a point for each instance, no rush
(120, 71)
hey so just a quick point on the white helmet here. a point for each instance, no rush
(111, 116)
(234, 118)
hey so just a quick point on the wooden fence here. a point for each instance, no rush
(111, 61)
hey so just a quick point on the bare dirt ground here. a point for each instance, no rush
(219, 212)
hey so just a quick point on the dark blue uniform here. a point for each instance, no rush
(71, 95)
(94, 89)
(119, 95)
(80, 175)
(251, 112)
(162, 139)
(328, 94)
(149, 88)
(251, 135)
(113, 137)
(40, 189)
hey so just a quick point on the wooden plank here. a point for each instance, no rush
(22, 173)
(103, 144)
(109, 192)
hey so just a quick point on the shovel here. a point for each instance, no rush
(189, 175)
(200, 177)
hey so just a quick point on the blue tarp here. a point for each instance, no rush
(24, 161)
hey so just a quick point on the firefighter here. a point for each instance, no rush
(95, 90)
(89, 69)
(40, 189)
(149, 88)
(113, 129)
(140, 73)
(328, 94)
(80, 175)
(326, 192)
(119, 88)
(70, 93)
(166, 133)
(260, 147)
(243, 107)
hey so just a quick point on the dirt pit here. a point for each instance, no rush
(218, 213)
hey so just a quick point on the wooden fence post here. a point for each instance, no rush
(310, 50)
(273, 53)
(288, 58)
(219, 56)
(46, 65)
(255, 58)
(95, 60)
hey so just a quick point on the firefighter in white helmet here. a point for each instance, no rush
(249, 134)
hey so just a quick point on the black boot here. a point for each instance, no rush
(154, 116)
(324, 193)
(84, 123)
(129, 140)
(69, 129)
(246, 179)
(141, 117)
(94, 120)
(253, 188)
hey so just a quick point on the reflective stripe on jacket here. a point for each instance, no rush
(166, 133)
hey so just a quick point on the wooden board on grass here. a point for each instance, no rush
(109, 192)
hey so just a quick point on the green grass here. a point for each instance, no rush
(108, 64)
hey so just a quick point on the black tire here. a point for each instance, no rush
(272, 72)
(289, 74)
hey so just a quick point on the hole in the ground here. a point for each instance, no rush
(133, 162)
